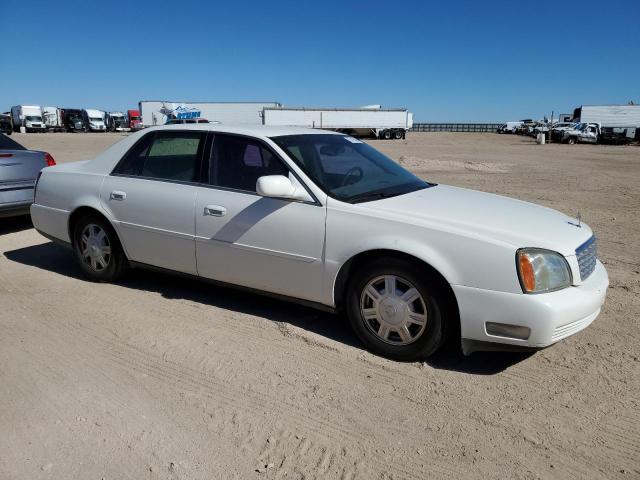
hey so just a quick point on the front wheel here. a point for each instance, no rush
(98, 250)
(396, 309)
(572, 141)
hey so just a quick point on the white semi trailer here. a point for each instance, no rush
(362, 122)
(159, 112)
(615, 116)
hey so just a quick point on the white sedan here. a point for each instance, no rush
(327, 220)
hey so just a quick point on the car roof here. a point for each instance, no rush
(261, 131)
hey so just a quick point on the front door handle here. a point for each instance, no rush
(215, 211)
(118, 195)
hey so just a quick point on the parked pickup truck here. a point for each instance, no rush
(582, 133)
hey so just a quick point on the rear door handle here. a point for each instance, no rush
(118, 195)
(215, 211)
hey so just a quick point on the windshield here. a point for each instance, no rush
(95, 119)
(33, 118)
(348, 169)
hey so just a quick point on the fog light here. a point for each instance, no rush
(506, 330)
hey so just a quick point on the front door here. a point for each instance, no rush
(151, 197)
(242, 238)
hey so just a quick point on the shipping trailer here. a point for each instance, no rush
(156, 112)
(609, 115)
(361, 122)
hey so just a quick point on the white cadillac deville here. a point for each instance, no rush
(326, 219)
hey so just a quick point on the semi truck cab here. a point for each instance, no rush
(134, 119)
(94, 120)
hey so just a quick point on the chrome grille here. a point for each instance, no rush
(586, 255)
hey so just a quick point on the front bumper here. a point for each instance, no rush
(550, 316)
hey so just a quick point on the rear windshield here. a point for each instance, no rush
(7, 143)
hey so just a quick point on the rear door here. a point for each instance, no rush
(151, 197)
(243, 238)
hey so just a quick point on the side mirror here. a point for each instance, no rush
(279, 186)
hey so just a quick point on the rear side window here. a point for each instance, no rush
(238, 162)
(174, 156)
(132, 162)
(165, 156)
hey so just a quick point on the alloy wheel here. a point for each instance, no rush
(393, 310)
(95, 248)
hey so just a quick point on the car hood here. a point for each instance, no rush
(486, 216)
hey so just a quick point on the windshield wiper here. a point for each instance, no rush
(369, 196)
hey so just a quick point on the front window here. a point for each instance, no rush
(33, 118)
(237, 163)
(348, 169)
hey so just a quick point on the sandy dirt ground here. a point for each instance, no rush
(161, 378)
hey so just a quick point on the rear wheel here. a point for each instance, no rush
(397, 134)
(572, 141)
(396, 309)
(98, 250)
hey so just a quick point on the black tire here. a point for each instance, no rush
(386, 134)
(397, 135)
(116, 261)
(433, 293)
(571, 141)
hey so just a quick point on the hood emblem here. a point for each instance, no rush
(578, 223)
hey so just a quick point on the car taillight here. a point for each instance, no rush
(49, 159)
(6, 155)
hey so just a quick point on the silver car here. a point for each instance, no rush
(19, 170)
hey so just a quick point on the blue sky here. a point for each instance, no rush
(446, 60)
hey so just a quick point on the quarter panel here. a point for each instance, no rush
(60, 193)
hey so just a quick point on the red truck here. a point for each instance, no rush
(134, 119)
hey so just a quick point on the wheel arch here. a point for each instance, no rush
(360, 259)
(82, 210)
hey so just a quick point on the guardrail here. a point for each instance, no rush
(455, 127)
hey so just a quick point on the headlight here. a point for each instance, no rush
(542, 270)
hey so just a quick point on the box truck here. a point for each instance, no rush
(240, 113)
(94, 120)
(609, 115)
(362, 122)
(53, 119)
(29, 117)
